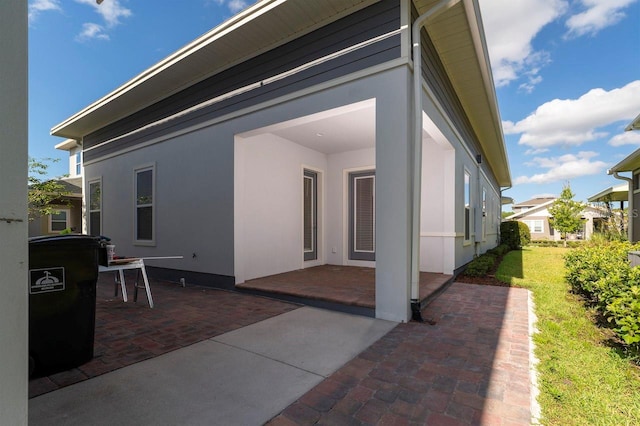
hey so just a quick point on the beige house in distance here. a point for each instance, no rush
(535, 214)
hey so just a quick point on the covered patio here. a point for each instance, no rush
(343, 288)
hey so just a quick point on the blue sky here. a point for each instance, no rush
(567, 75)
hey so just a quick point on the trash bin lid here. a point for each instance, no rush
(72, 239)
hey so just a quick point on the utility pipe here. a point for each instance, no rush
(417, 151)
(630, 201)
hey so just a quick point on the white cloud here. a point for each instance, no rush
(92, 31)
(598, 14)
(626, 138)
(110, 10)
(234, 6)
(563, 168)
(38, 6)
(572, 122)
(510, 27)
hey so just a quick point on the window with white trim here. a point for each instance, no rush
(78, 162)
(535, 226)
(94, 216)
(467, 205)
(362, 215)
(144, 205)
(484, 213)
(59, 220)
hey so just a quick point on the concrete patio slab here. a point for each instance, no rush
(244, 377)
(311, 339)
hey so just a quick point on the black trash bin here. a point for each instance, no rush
(63, 271)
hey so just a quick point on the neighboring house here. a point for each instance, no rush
(535, 214)
(283, 139)
(631, 164)
(69, 208)
(606, 198)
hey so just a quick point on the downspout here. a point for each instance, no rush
(506, 188)
(417, 152)
(630, 201)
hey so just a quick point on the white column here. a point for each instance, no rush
(13, 206)
(393, 199)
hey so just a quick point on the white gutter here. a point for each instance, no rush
(417, 149)
(630, 201)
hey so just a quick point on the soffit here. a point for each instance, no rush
(259, 28)
(628, 164)
(458, 37)
(614, 193)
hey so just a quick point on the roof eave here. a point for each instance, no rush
(482, 109)
(634, 125)
(628, 164)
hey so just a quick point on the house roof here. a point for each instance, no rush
(543, 206)
(535, 208)
(534, 202)
(67, 145)
(634, 125)
(632, 161)
(506, 200)
(613, 193)
(628, 164)
(457, 34)
(72, 185)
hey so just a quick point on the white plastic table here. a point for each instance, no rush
(120, 265)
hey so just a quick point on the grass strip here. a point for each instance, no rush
(582, 381)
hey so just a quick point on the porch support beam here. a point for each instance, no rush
(393, 199)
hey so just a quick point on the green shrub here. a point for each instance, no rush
(514, 234)
(481, 265)
(525, 234)
(500, 250)
(602, 274)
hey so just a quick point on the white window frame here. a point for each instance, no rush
(356, 249)
(141, 169)
(484, 213)
(67, 221)
(89, 209)
(467, 200)
(532, 225)
(78, 162)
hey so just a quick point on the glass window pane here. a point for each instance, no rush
(94, 196)
(94, 223)
(61, 215)
(364, 211)
(58, 226)
(144, 223)
(144, 187)
(308, 213)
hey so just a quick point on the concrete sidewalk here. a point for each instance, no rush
(246, 376)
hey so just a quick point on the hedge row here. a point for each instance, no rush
(551, 243)
(482, 264)
(602, 274)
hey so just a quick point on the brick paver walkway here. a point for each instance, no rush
(127, 333)
(470, 368)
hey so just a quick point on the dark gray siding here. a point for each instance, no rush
(363, 25)
(434, 73)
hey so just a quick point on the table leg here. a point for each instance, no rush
(123, 285)
(146, 285)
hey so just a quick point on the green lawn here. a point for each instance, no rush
(582, 381)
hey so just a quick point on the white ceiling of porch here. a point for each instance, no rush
(342, 129)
